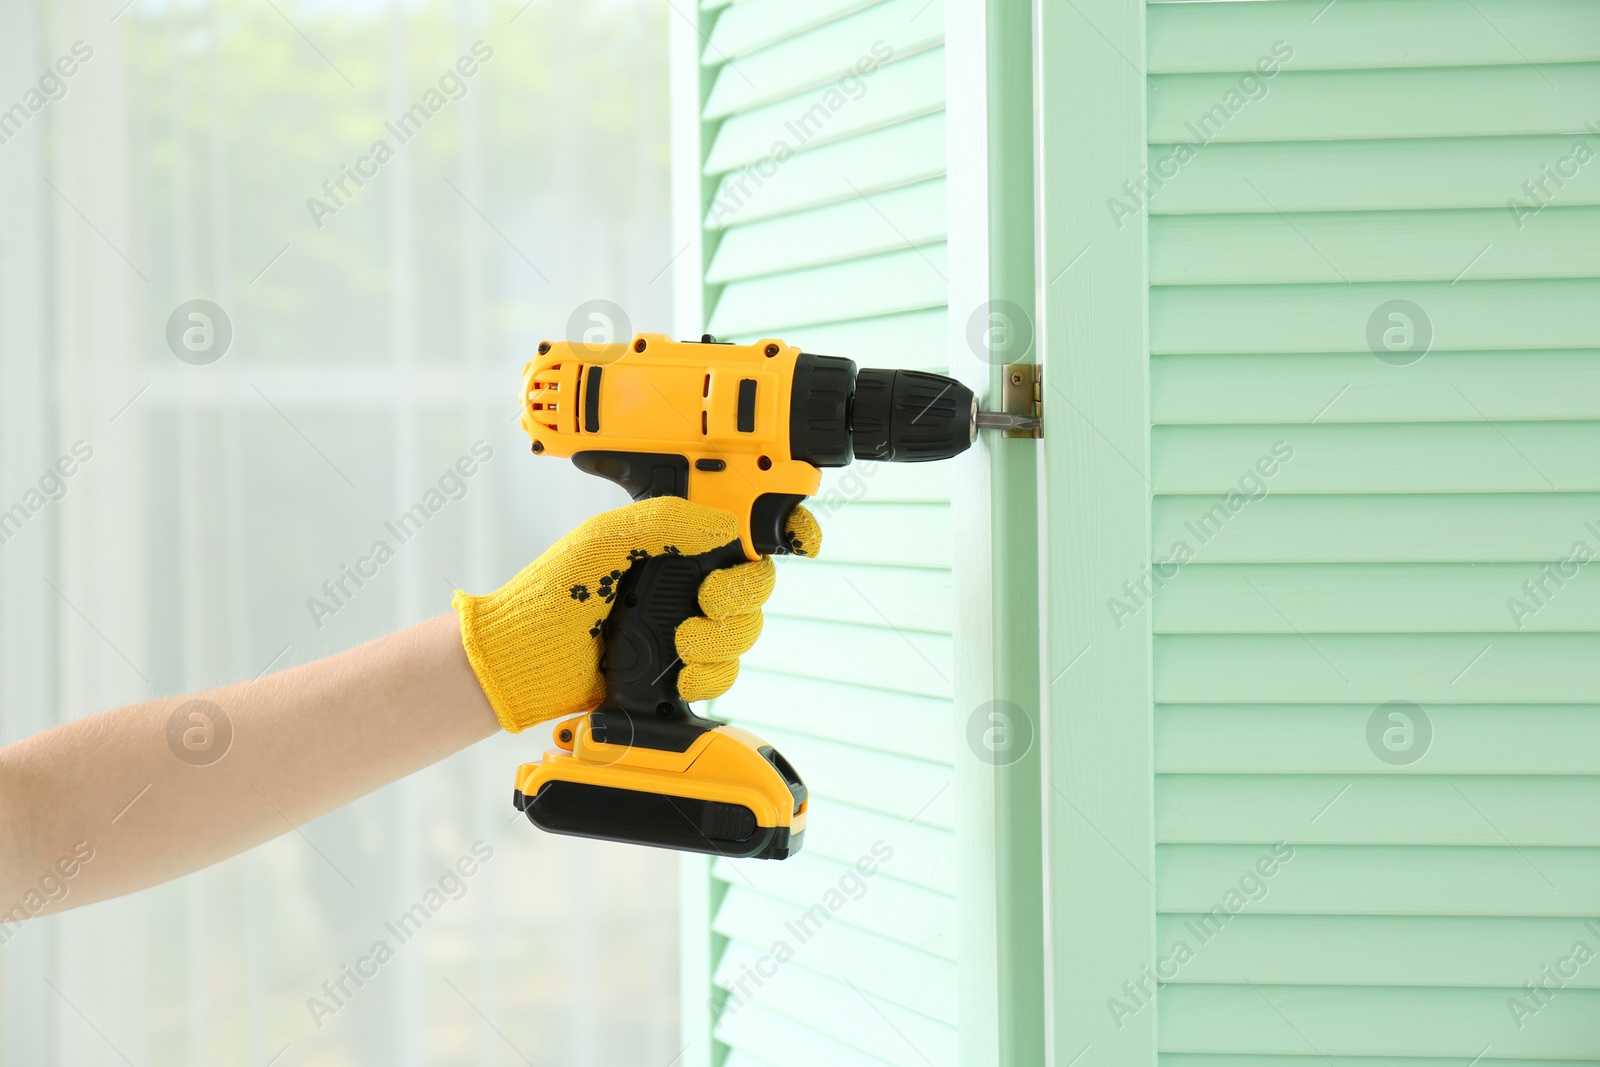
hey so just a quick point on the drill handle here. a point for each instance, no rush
(642, 705)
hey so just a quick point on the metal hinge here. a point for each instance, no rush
(1022, 393)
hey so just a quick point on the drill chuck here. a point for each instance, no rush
(837, 413)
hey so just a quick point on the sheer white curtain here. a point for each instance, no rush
(376, 335)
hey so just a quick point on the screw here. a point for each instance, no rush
(538, 446)
(1016, 378)
(544, 346)
(772, 350)
(638, 346)
(566, 737)
(765, 463)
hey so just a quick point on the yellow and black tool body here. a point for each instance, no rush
(745, 428)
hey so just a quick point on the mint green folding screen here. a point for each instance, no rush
(1339, 386)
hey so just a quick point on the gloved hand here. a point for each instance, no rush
(535, 644)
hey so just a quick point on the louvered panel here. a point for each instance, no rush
(874, 901)
(1353, 387)
(1475, 455)
(833, 173)
(904, 723)
(1384, 597)
(830, 54)
(1561, 242)
(1331, 739)
(877, 965)
(1386, 880)
(897, 91)
(1378, 528)
(1380, 175)
(1348, 105)
(874, 1025)
(1406, 150)
(1184, 38)
(1377, 1021)
(1375, 809)
(868, 224)
(1333, 318)
(907, 280)
(1386, 950)
(826, 227)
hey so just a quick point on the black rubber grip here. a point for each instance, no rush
(642, 706)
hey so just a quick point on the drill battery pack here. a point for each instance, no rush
(726, 792)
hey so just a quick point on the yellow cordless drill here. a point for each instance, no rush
(745, 428)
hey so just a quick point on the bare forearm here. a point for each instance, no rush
(303, 743)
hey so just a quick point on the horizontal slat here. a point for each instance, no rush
(899, 786)
(1469, 668)
(1373, 809)
(902, 661)
(865, 225)
(1188, 37)
(1471, 456)
(755, 24)
(1381, 597)
(835, 173)
(830, 892)
(1373, 950)
(863, 40)
(914, 535)
(786, 1042)
(1357, 387)
(1297, 105)
(907, 280)
(874, 1025)
(877, 965)
(915, 339)
(872, 718)
(906, 597)
(1392, 528)
(1332, 739)
(1371, 246)
(1380, 880)
(1338, 1021)
(1334, 318)
(1431, 174)
(897, 91)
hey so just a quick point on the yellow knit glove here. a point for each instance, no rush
(535, 644)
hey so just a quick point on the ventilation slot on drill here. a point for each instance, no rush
(591, 401)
